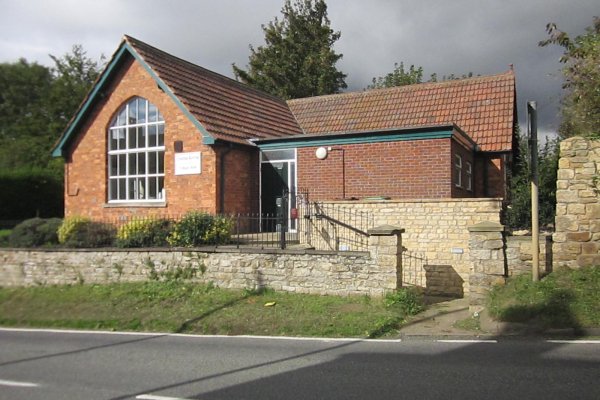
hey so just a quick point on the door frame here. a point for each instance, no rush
(292, 180)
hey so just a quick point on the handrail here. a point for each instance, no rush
(335, 221)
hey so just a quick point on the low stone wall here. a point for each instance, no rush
(519, 255)
(436, 239)
(344, 273)
(577, 227)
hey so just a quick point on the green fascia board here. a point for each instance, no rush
(369, 137)
(59, 149)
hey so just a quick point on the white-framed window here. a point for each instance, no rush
(457, 170)
(469, 176)
(136, 153)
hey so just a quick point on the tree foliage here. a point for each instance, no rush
(298, 59)
(398, 77)
(518, 214)
(581, 56)
(401, 77)
(36, 103)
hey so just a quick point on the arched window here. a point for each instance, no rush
(136, 153)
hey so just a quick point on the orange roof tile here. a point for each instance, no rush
(484, 107)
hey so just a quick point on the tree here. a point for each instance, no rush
(581, 56)
(518, 214)
(298, 59)
(36, 103)
(398, 77)
(401, 77)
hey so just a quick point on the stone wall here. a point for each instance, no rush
(436, 238)
(577, 227)
(519, 255)
(347, 273)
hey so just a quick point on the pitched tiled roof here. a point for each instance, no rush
(229, 110)
(483, 107)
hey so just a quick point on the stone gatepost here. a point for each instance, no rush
(488, 266)
(385, 246)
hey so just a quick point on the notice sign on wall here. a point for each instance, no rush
(187, 163)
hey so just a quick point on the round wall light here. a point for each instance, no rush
(321, 153)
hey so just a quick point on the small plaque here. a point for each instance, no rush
(188, 163)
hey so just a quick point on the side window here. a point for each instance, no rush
(136, 153)
(457, 170)
(469, 176)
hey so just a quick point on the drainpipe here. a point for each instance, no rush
(225, 151)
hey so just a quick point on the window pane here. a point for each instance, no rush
(161, 162)
(152, 162)
(113, 139)
(152, 189)
(161, 135)
(152, 136)
(113, 169)
(152, 113)
(161, 185)
(141, 170)
(113, 190)
(122, 165)
(131, 135)
(160, 117)
(142, 111)
(141, 136)
(272, 155)
(132, 163)
(122, 189)
(133, 112)
(132, 189)
(122, 117)
(141, 188)
(121, 138)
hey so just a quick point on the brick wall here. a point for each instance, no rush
(405, 169)
(86, 172)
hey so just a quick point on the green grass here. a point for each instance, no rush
(564, 299)
(181, 306)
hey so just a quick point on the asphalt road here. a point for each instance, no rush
(61, 365)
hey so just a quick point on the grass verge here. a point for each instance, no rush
(564, 299)
(181, 306)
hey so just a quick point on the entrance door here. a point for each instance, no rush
(274, 179)
(277, 177)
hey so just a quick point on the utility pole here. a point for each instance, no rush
(535, 222)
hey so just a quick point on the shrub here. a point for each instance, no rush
(407, 299)
(144, 233)
(35, 232)
(83, 232)
(197, 228)
(69, 226)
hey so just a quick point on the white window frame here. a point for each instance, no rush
(458, 170)
(121, 150)
(469, 176)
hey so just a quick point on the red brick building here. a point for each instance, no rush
(160, 136)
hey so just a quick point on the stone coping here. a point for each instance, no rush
(424, 201)
(204, 249)
(486, 226)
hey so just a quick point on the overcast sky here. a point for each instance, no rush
(442, 36)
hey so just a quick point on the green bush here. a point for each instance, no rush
(82, 232)
(4, 235)
(144, 233)
(35, 232)
(198, 228)
(409, 300)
